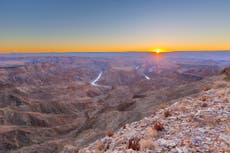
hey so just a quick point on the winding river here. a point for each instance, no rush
(94, 82)
(146, 77)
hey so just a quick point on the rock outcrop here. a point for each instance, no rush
(194, 124)
(226, 72)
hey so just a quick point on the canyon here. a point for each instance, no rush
(48, 102)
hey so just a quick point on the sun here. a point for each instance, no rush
(157, 51)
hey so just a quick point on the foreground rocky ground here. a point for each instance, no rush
(193, 124)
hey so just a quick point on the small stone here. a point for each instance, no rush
(166, 143)
(224, 137)
(197, 140)
(185, 150)
(182, 150)
(202, 131)
(223, 145)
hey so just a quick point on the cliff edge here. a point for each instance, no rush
(193, 124)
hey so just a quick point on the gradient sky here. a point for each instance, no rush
(114, 25)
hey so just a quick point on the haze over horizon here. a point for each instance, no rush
(109, 25)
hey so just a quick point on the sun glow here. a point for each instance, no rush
(157, 51)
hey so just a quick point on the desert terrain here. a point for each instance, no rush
(49, 102)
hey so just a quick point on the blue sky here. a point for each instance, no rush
(114, 25)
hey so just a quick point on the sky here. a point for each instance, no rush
(114, 25)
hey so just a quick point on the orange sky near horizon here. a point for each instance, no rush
(90, 48)
(114, 26)
(166, 45)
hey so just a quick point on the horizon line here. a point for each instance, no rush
(61, 52)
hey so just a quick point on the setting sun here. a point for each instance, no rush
(157, 50)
